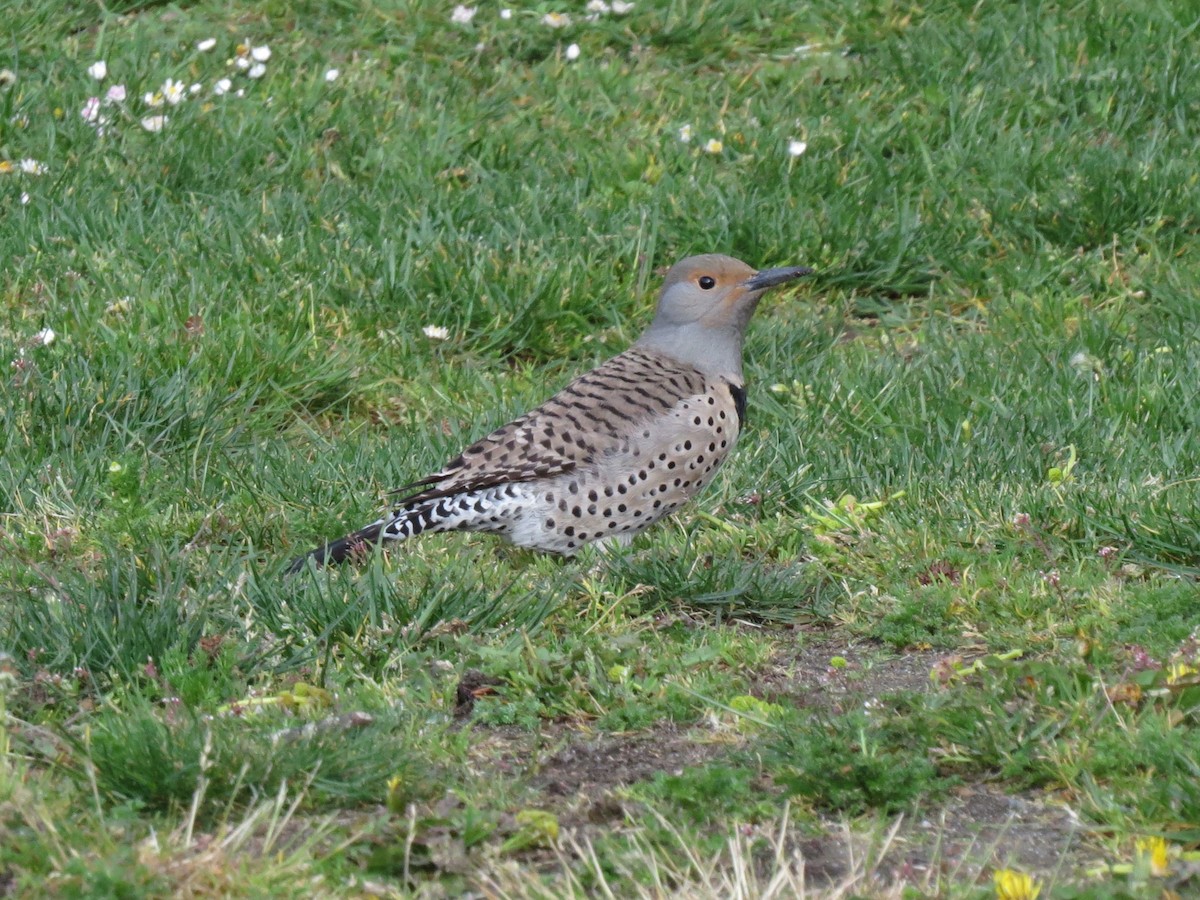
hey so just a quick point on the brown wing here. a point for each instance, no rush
(591, 416)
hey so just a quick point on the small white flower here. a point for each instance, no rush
(44, 338)
(24, 198)
(32, 167)
(222, 86)
(685, 134)
(597, 6)
(573, 52)
(436, 332)
(195, 88)
(91, 109)
(556, 20)
(261, 54)
(172, 91)
(506, 13)
(258, 70)
(116, 94)
(240, 92)
(712, 145)
(207, 44)
(463, 15)
(154, 123)
(153, 100)
(332, 75)
(621, 8)
(242, 63)
(98, 70)
(796, 148)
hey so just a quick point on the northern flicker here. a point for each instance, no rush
(615, 450)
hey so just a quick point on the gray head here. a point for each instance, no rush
(705, 305)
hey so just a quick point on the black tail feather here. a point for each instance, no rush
(336, 552)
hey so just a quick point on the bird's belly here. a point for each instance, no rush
(622, 494)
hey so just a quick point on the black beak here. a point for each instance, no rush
(760, 281)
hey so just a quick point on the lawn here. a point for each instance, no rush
(935, 629)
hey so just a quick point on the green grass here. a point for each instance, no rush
(972, 433)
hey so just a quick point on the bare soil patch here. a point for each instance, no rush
(578, 774)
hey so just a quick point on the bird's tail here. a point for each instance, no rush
(358, 543)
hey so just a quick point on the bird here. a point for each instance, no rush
(613, 452)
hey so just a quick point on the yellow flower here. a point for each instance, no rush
(1013, 885)
(1179, 671)
(1154, 850)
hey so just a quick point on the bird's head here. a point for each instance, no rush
(716, 291)
(705, 305)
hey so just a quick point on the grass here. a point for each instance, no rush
(954, 559)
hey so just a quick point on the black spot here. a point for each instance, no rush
(662, 457)
(576, 512)
(687, 445)
(711, 421)
(562, 504)
(678, 482)
(622, 508)
(607, 512)
(569, 531)
(592, 509)
(573, 488)
(621, 489)
(583, 535)
(712, 401)
(549, 523)
(724, 444)
(592, 495)
(697, 421)
(612, 524)
(671, 464)
(657, 504)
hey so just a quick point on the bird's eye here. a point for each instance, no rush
(707, 282)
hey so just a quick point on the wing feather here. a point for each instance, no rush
(594, 415)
